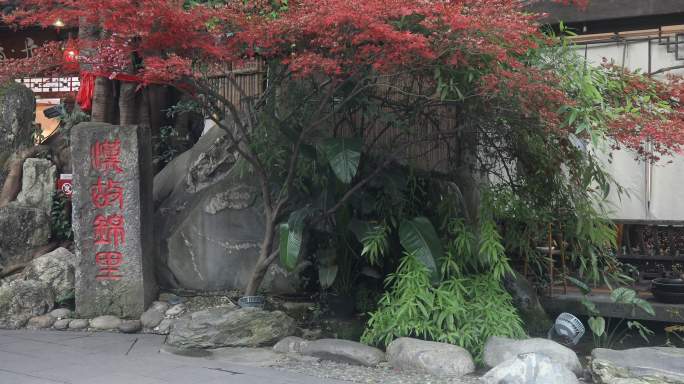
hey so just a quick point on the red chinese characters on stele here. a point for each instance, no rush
(108, 230)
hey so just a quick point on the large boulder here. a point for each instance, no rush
(37, 184)
(525, 299)
(56, 269)
(439, 359)
(343, 351)
(21, 300)
(529, 368)
(638, 366)
(17, 113)
(209, 221)
(22, 231)
(499, 349)
(230, 327)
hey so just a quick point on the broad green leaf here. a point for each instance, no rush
(327, 275)
(344, 155)
(291, 237)
(359, 228)
(623, 295)
(645, 306)
(597, 325)
(590, 306)
(419, 238)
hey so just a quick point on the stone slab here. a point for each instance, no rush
(113, 182)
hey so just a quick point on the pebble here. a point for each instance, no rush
(79, 324)
(105, 323)
(164, 328)
(130, 326)
(154, 315)
(40, 322)
(61, 324)
(61, 313)
(176, 310)
(383, 373)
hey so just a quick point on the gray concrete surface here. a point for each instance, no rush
(49, 357)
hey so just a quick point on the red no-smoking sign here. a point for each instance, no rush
(64, 184)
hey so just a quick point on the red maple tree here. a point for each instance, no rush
(453, 50)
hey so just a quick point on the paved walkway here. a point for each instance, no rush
(48, 357)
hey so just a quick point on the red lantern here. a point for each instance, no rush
(70, 55)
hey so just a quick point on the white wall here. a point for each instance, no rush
(656, 191)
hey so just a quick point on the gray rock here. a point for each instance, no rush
(122, 283)
(21, 300)
(61, 313)
(56, 269)
(105, 323)
(290, 344)
(22, 231)
(38, 184)
(130, 326)
(526, 301)
(439, 359)
(17, 114)
(638, 366)
(61, 324)
(229, 327)
(176, 310)
(154, 315)
(164, 328)
(210, 223)
(529, 368)
(499, 349)
(343, 351)
(40, 322)
(78, 324)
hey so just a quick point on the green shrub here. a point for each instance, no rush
(460, 310)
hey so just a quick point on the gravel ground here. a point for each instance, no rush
(356, 374)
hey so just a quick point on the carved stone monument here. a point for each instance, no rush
(112, 212)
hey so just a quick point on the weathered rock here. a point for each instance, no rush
(61, 313)
(22, 231)
(526, 301)
(37, 184)
(17, 114)
(61, 324)
(105, 323)
(164, 328)
(499, 349)
(290, 344)
(78, 324)
(56, 269)
(210, 222)
(439, 359)
(130, 326)
(122, 282)
(651, 365)
(154, 315)
(228, 327)
(21, 300)
(176, 310)
(343, 351)
(529, 368)
(40, 322)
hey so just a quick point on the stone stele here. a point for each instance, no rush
(112, 211)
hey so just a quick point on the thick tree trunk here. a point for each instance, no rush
(263, 261)
(102, 100)
(128, 111)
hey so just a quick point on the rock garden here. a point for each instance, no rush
(370, 191)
